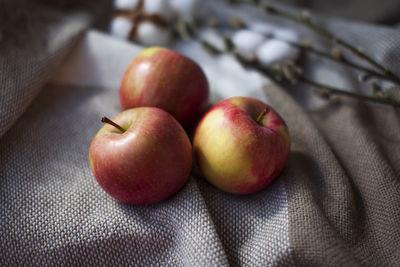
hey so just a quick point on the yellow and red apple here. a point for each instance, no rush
(241, 145)
(141, 156)
(160, 77)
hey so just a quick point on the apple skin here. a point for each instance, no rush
(160, 77)
(237, 154)
(147, 163)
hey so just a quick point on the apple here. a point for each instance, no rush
(141, 156)
(160, 77)
(241, 145)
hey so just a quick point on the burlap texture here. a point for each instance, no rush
(27, 66)
(335, 204)
(54, 213)
(342, 181)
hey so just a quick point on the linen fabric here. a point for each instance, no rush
(335, 204)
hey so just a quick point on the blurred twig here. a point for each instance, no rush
(335, 55)
(281, 73)
(305, 20)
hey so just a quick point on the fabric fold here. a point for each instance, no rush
(25, 70)
(335, 204)
(342, 181)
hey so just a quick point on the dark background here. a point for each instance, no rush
(375, 11)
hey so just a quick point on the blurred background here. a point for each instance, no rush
(374, 11)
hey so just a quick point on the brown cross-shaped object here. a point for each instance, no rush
(137, 15)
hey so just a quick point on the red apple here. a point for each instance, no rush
(160, 77)
(145, 158)
(241, 145)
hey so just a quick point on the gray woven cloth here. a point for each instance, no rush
(335, 204)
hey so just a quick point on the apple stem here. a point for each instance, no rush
(262, 114)
(107, 120)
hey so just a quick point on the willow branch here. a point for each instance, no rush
(327, 89)
(306, 21)
(185, 31)
(369, 72)
(309, 48)
(318, 29)
(333, 90)
(270, 72)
